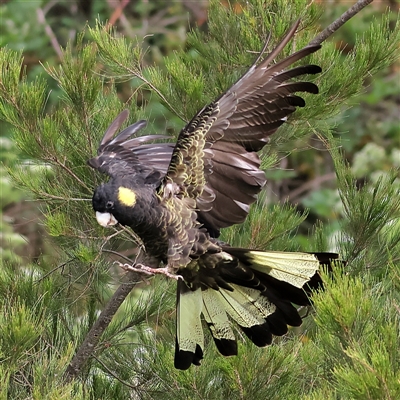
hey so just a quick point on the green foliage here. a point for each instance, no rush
(351, 351)
(257, 231)
(10, 241)
(355, 343)
(35, 337)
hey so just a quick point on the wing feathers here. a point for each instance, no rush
(245, 116)
(214, 159)
(252, 110)
(113, 128)
(281, 45)
(288, 61)
(128, 132)
(297, 71)
(122, 156)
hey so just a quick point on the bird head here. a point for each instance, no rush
(112, 204)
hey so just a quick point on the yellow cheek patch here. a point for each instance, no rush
(126, 196)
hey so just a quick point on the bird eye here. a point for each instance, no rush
(109, 204)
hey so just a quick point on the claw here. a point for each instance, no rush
(143, 269)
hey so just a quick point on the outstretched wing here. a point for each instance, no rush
(123, 156)
(215, 159)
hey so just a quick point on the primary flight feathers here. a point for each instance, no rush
(177, 197)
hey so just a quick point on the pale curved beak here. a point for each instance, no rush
(106, 219)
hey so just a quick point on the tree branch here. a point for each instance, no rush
(310, 185)
(49, 32)
(335, 25)
(118, 10)
(88, 346)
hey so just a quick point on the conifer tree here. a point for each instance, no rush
(348, 348)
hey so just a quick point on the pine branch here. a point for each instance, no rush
(92, 339)
(335, 25)
(108, 370)
(155, 90)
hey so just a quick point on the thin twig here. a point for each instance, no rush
(335, 25)
(49, 32)
(53, 197)
(69, 171)
(62, 265)
(153, 88)
(134, 236)
(313, 184)
(108, 370)
(118, 254)
(118, 9)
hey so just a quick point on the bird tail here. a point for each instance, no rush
(255, 289)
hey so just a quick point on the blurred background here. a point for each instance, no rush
(370, 128)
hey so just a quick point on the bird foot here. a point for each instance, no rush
(144, 269)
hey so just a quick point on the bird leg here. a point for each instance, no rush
(144, 269)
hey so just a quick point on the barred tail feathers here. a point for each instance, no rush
(218, 322)
(290, 276)
(293, 268)
(189, 332)
(258, 293)
(245, 306)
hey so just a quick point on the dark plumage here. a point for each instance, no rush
(178, 197)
